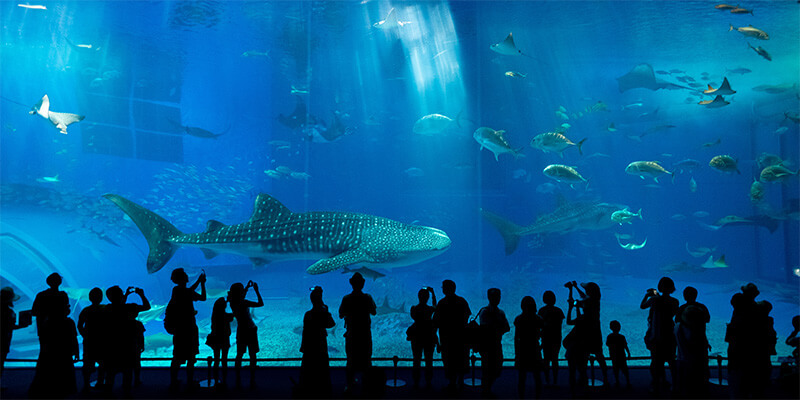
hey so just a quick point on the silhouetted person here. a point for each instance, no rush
(56, 376)
(220, 339)
(315, 374)
(590, 303)
(123, 331)
(660, 336)
(793, 340)
(617, 350)
(422, 335)
(450, 318)
(48, 304)
(494, 325)
(51, 308)
(181, 312)
(552, 317)
(690, 296)
(577, 350)
(356, 309)
(91, 326)
(246, 329)
(692, 362)
(527, 332)
(137, 360)
(764, 347)
(8, 323)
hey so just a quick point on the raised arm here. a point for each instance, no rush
(145, 302)
(260, 302)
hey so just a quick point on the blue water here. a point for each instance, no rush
(231, 68)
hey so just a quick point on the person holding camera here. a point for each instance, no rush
(575, 343)
(660, 337)
(181, 314)
(590, 303)
(422, 335)
(246, 330)
(122, 330)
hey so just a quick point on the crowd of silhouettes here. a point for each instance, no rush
(113, 339)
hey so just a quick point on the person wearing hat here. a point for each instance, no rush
(315, 375)
(660, 337)
(8, 323)
(356, 309)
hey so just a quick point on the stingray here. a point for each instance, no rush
(725, 88)
(642, 76)
(299, 117)
(507, 47)
(390, 21)
(58, 119)
(716, 103)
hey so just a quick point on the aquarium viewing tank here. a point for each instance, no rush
(516, 145)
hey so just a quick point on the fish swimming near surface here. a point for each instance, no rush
(625, 216)
(740, 71)
(750, 31)
(567, 217)
(760, 51)
(434, 124)
(58, 119)
(555, 142)
(632, 246)
(716, 103)
(741, 10)
(724, 88)
(366, 272)
(390, 21)
(200, 132)
(507, 47)
(776, 173)
(563, 173)
(254, 53)
(647, 168)
(724, 163)
(32, 6)
(495, 142)
(385, 308)
(723, 7)
(48, 179)
(274, 233)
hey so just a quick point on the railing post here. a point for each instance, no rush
(472, 381)
(395, 382)
(719, 368)
(591, 368)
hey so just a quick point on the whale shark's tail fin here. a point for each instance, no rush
(509, 230)
(154, 228)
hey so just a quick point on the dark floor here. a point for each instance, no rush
(277, 382)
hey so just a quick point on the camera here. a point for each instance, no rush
(568, 285)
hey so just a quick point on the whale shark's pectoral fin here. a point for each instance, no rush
(208, 253)
(340, 260)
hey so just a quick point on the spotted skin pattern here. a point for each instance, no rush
(274, 233)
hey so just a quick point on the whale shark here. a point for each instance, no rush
(274, 233)
(59, 120)
(567, 217)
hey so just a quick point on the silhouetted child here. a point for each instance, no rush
(315, 375)
(220, 338)
(527, 331)
(246, 330)
(91, 326)
(552, 317)
(617, 348)
(660, 337)
(8, 323)
(793, 339)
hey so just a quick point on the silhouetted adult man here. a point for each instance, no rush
(452, 313)
(356, 309)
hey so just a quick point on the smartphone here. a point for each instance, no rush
(25, 318)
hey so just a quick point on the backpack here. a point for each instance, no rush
(169, 318)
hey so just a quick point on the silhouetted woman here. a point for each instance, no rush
(315, 375)
(246, 330)
(181, 312)
(122, 330)
(590, 303)
(660, 337)
(552, 318)
(220, 339)
(494, 325)
(422, 335)
(528, 330)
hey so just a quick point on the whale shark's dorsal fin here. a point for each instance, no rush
(213, 226)
(269, 208)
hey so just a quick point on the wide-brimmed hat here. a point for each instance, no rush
(7, 294)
